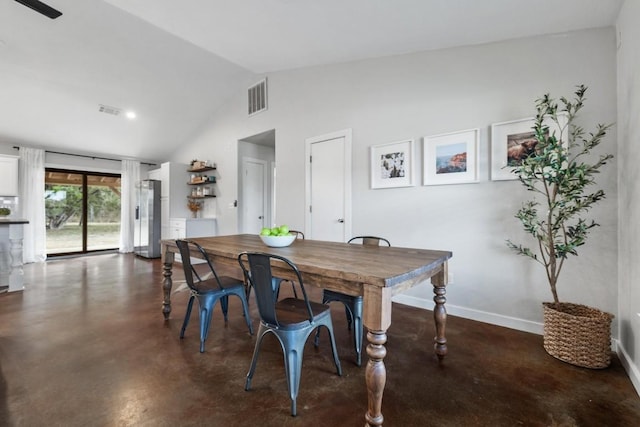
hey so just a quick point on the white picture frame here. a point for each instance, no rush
(392, 164)
(451, 158)
(513, 140)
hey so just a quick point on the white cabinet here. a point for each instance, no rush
(180, 228)
(8, 175)
(173, 195)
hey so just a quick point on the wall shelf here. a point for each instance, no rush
(204, 169)
(201, 183)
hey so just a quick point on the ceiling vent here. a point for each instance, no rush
(114, 111)
(257, 96)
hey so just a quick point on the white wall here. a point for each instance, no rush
(410, 96)
(628, 178)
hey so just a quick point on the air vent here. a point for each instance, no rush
(114, 111)
(258, 97)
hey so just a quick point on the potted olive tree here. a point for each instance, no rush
(560, 174)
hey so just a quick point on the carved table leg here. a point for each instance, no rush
(376, 376)
(439, 314)
(167, 283)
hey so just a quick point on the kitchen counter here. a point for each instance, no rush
(11, 235)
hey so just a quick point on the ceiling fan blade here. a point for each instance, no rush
(42, 8)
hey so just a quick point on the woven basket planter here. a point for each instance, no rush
(577, 334)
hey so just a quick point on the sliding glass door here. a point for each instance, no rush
(82, 211)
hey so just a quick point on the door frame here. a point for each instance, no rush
(347, 135)
(265, 191)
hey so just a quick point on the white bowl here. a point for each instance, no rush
(278, 241)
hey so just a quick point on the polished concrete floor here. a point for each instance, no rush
(86, 345)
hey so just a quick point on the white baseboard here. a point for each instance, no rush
(518, 324)
(629, 366)
(467, 313)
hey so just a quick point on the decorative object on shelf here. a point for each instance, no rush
(194, 207)
(559, 173)
(392, 164)
(5, 211)
(201, 180)
(200, 166)
(451, 158)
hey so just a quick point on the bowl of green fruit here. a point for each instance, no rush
(277, 237)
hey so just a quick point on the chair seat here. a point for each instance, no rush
(293, 314)
(226, 282)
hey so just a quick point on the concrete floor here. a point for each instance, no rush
(86, 345)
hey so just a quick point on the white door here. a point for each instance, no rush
(254, 191)
(329, 187)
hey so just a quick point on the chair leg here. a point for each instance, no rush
(205, 321)
(358, 329)
(187, 316)
(245, 309)
(349, 314)
(224, 302)
(293, 369)
(254, 360)
(293, 288)
(334, 349)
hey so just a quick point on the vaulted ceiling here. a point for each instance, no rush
(175, 62)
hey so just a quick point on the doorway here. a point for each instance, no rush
(256, 182)
(82, 211)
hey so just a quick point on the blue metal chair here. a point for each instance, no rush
(353, 304)
(291, 320)
(208, 291)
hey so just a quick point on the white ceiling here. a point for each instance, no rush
(175, 62)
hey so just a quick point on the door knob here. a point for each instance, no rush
(341, 220)
(260, 217)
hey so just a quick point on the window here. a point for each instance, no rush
(82, 211)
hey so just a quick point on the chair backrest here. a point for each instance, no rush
(261, 279)
(299, 234)
(370, 240)
(187, 266)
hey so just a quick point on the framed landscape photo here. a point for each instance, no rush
(513, 141)
(392, 164)
(451, 158)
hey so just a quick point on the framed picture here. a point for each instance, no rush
(392, 164)
(451, 158)
(515, 140)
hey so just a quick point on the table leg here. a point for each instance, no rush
(376, 376)
(167, 283)
(377, 319)
(440, 313)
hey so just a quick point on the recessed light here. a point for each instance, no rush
(131, 115)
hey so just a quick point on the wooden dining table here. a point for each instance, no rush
(376, 273)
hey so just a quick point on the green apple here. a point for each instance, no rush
(275, 231)
(284, 230)
(265, 231)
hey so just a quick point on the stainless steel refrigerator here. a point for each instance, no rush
(147, 219)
